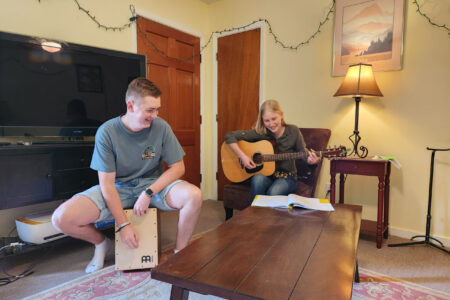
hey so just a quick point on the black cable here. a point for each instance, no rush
(11, 278)
(28, 271)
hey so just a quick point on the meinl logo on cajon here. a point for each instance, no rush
(146, 259)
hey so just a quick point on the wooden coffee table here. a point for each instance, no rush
(264, 253)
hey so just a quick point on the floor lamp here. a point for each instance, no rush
(359, 82)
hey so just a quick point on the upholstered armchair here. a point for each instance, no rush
(235, 195)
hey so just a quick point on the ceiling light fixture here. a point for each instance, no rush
(51, 47)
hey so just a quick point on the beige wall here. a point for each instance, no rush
(412, 115)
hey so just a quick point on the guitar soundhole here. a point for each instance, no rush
(254, 170)
(257, 158)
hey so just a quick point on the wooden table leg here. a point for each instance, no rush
(158, 222)
(333, 188)
(356, 272)
(386, 201)
(380, 210)
(341, 188)
(179, 293)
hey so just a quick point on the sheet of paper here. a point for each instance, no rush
(310, 203)
(270, 201)
(292, 199)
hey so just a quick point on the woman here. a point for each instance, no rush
(271, 126)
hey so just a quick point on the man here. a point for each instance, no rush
(128, 156)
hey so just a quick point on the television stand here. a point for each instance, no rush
(40, 173)
(70, 142)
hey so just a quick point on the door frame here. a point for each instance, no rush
(216, 36)
(177, 26)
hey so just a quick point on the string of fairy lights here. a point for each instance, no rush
(277, 40)
(429, 19)
(295, 47)
(100, 25)
(133, 19)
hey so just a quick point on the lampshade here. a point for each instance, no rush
(359, 82)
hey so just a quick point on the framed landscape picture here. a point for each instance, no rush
(368, 31)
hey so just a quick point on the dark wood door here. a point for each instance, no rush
(238, 64)
(173, 66)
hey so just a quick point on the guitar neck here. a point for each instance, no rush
(287, 156)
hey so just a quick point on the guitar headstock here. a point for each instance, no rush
(340, 151)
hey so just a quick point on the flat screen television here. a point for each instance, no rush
(64, 94)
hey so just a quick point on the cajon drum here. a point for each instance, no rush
(146, 255)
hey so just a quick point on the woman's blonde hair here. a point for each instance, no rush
(268, 105)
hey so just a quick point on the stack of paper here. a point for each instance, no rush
(292, 200)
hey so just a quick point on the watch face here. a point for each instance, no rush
(149, 192)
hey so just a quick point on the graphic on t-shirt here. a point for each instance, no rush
(149, 153)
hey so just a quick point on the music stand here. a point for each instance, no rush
(428, 240)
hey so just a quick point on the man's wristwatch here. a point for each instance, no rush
(149, 192)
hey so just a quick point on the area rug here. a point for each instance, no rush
(111, 284)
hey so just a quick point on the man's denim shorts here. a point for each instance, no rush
(128, 192)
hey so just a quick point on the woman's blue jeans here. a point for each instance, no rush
(264, 185)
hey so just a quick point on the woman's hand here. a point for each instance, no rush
(312, 157)
(243, 158)
(247, 161)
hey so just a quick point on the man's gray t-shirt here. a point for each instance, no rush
(132, 155)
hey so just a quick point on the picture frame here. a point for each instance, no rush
(368, 31)
(89, 78)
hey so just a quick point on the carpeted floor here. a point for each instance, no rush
(111, 284)
(65, 262)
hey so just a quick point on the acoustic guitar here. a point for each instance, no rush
(263, 156)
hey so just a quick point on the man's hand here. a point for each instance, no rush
(312, 157)
(129, 237)
(141, 206)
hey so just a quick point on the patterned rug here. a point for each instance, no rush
(111, 284)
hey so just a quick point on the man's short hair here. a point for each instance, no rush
(141, 87)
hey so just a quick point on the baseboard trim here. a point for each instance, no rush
(408, 234)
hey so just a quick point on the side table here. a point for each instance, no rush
(367, 167)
